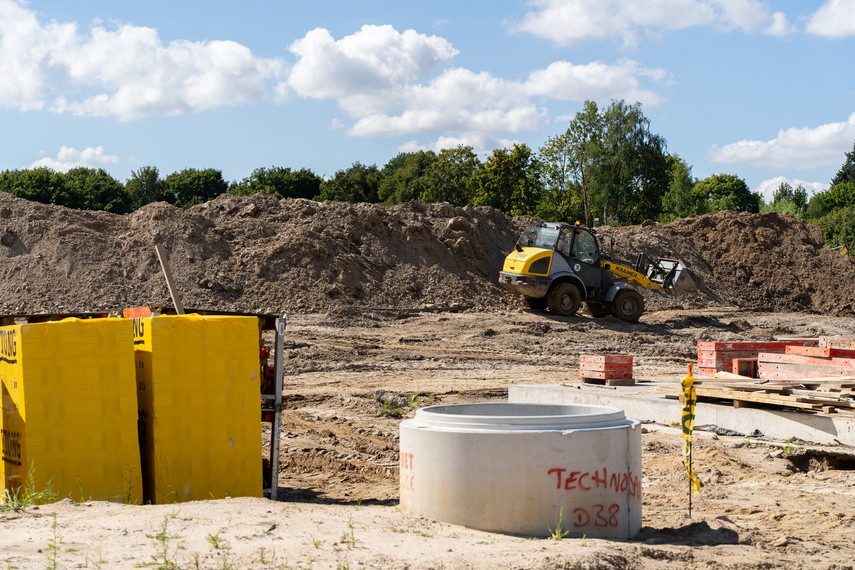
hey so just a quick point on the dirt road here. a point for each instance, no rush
(339, 473)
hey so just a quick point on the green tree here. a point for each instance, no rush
(280, 182)
(91, 189)
(562, 197)
(635, 173)
(786, 200)
(510, 181)
(728, 192)
(786, 192)
(586, 155)
(817, 206)
(840, 195)
(838, 227)
(81, 188)
(146, 186)
(37, 184)
(681, 200)
(834, 198)
(359, 183)
(404, 177)
(847, 171)
(191, 186)
(450, 177)
(608, 161)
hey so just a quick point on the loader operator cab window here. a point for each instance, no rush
(540, 236)
(565, 240)
(585, 247)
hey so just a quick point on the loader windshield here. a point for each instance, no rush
(539, 236)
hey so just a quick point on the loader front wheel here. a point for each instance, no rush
(598, 310)
(564, 300)
(536, 303)
(628, 305)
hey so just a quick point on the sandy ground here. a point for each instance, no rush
(764, 503)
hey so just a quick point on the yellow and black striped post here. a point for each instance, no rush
(688, 422)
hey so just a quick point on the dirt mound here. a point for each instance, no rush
(254, 253)
(260, 254)
(764, 262)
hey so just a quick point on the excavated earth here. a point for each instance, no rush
(260, 254)
(405, 300)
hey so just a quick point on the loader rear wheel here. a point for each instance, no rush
(628, 305)
(564, 299)
(536, 303)
(598, 310)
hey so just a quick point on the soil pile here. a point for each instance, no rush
(260, 254)
(763, 262)
(255, 254)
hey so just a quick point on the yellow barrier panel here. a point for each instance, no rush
(199, 395)
(69, 409)
(688, 422)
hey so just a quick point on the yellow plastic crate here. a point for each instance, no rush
(70, 409)
(199, 407)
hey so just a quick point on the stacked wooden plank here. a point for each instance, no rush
(821, 395)
(735, 356)
(799, 362)
(608, 369)
(813, 375)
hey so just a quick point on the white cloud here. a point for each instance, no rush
(26, 49)
(834, 19)
(794, 147)
(572, 22)
(597, 81)
(387, 82)
(69, 157)
(392, 83)
(370, 60)
(456, 101)
(767, 187)
(126, 72)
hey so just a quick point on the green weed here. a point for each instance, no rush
(414, 531)
(391, 409)
(349, 538)
(53, 546)
(163, 559)
(264, 559)
(217, 542)
(23, 497)
(558, 533)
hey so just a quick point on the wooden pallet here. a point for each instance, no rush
(825, 395)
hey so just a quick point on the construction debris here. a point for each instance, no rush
(786, 374)
(716, 357)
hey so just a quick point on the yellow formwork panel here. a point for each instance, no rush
(199, 407)
(70, 409)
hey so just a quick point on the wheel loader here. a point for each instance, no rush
(558, 266)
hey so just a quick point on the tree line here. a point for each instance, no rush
(608, 166)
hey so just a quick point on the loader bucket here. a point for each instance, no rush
(671, 275)
(676, 278)
(683, 282)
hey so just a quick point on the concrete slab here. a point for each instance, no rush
(642, 403)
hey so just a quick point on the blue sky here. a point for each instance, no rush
(762, 90)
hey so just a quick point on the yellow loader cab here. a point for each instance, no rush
(557, 266)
